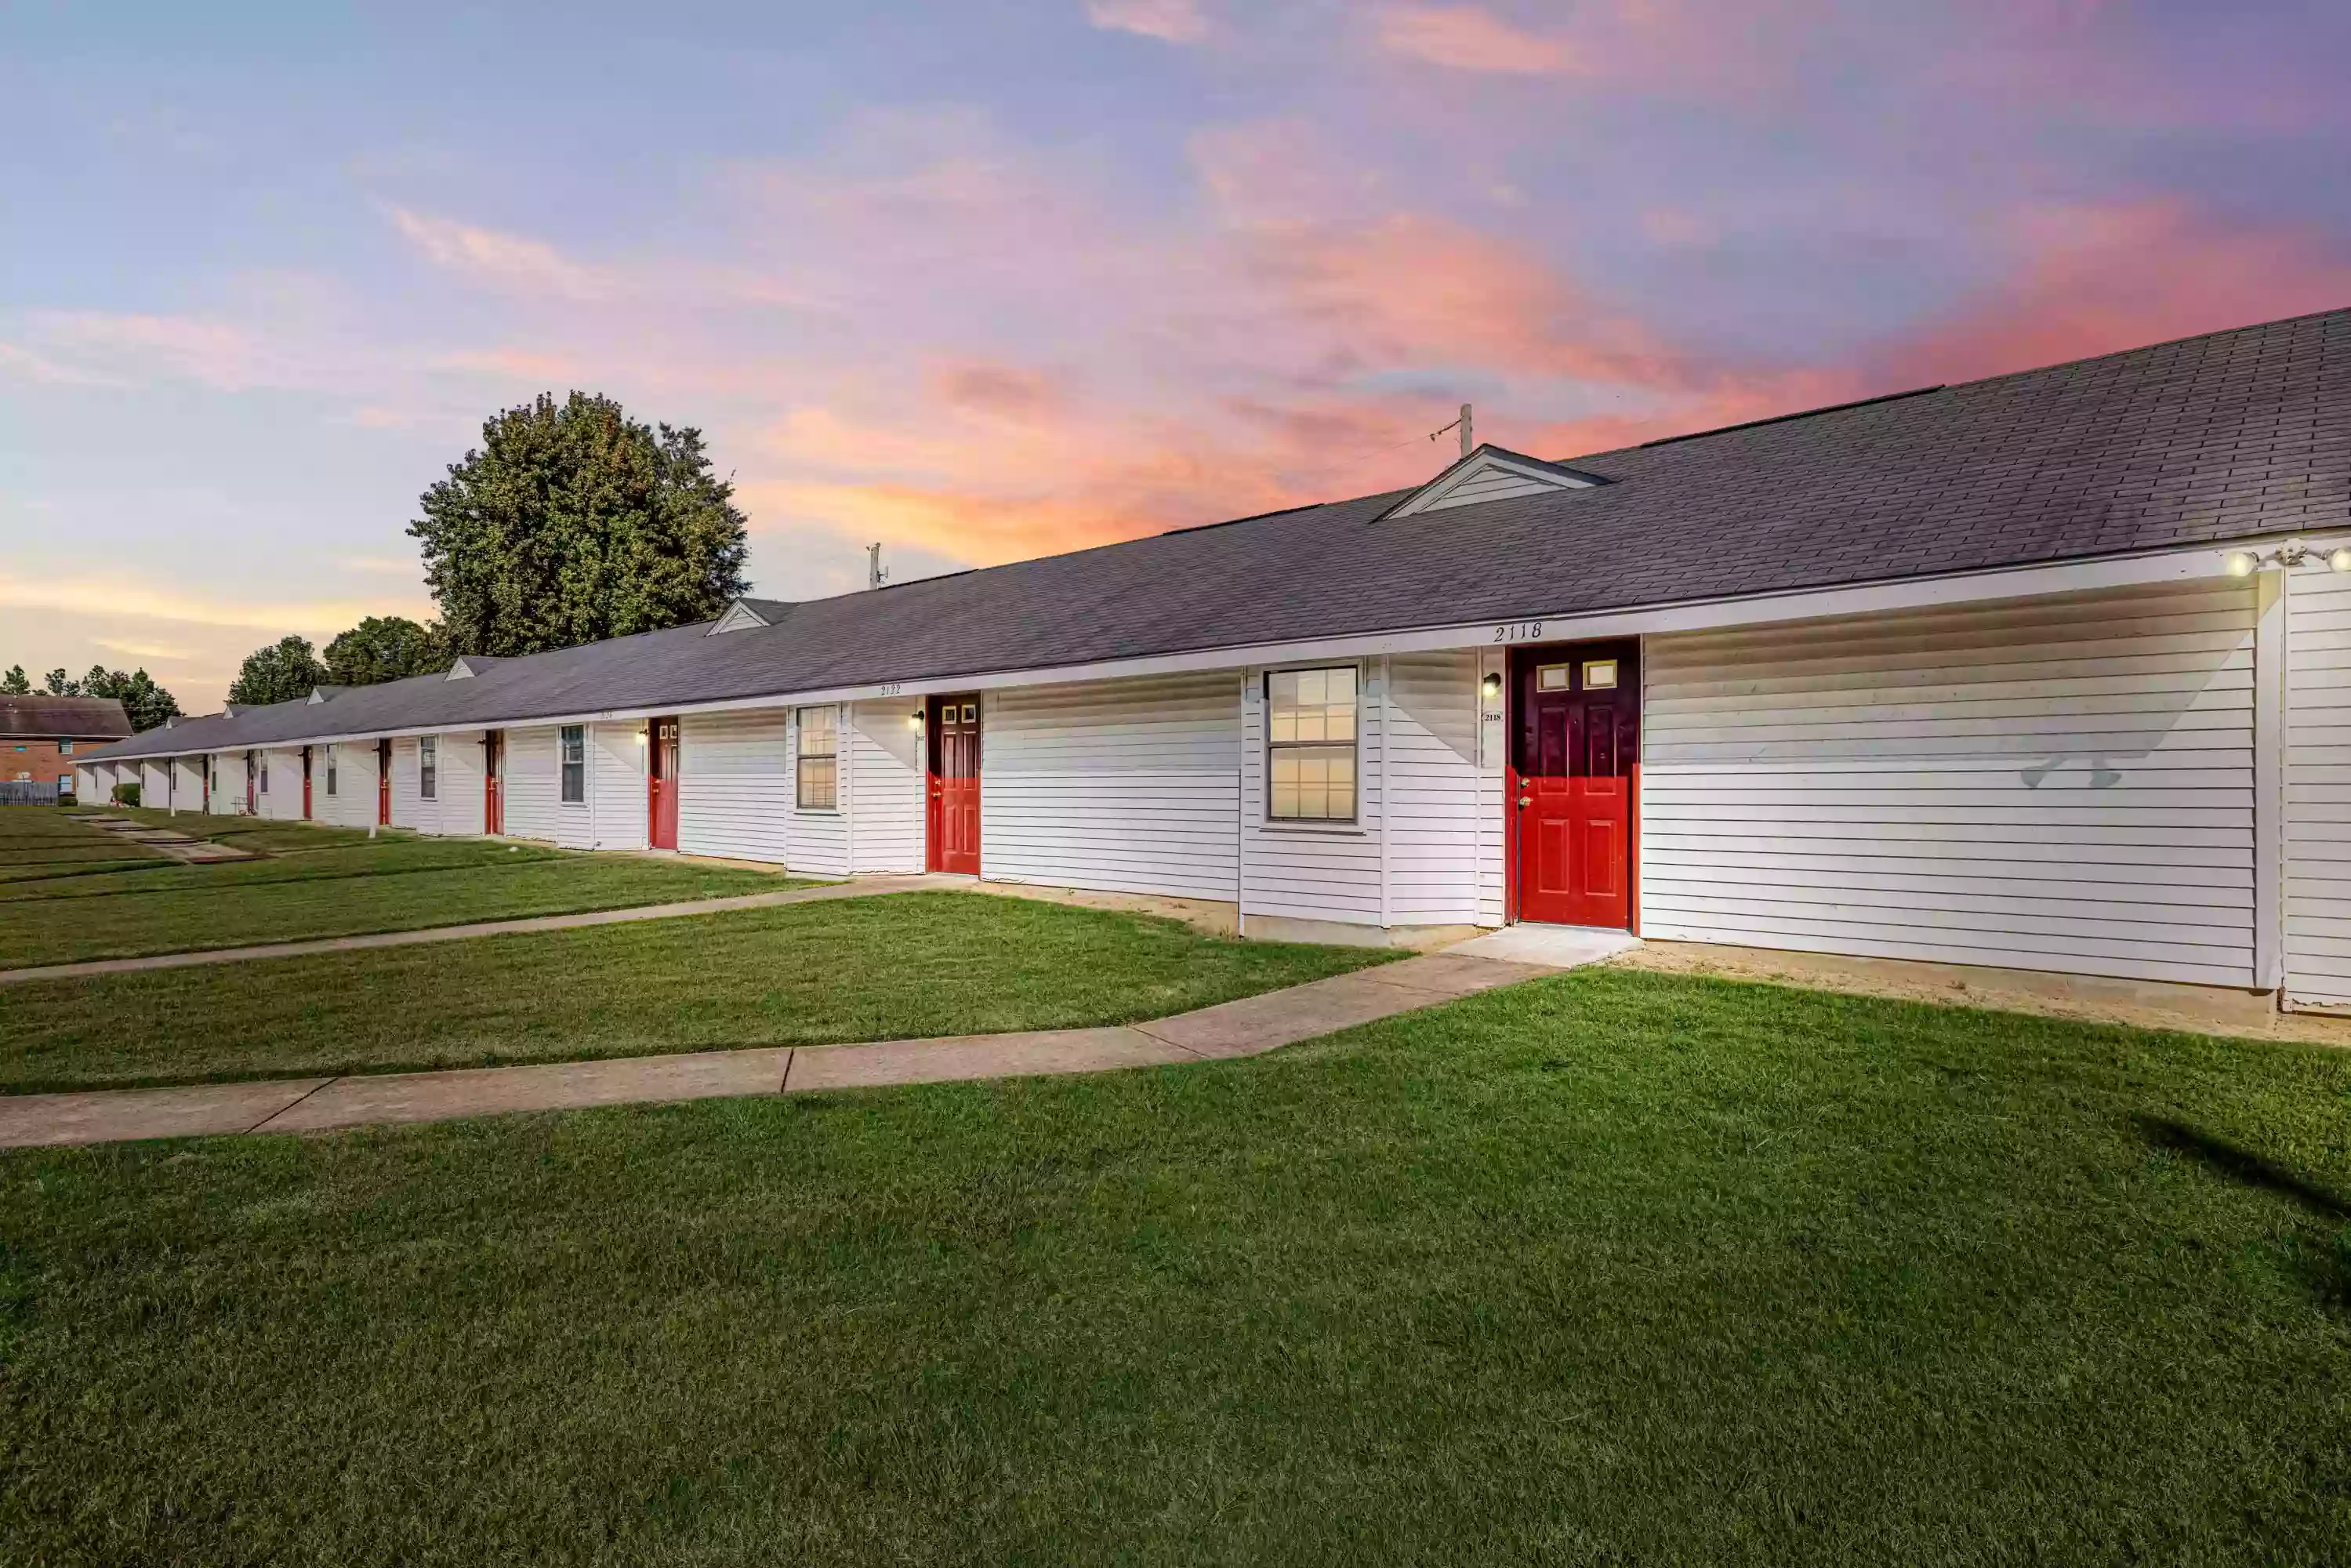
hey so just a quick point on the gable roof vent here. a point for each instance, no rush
(324, 693)
(1491, 473)
(472, 665)
(740, 617)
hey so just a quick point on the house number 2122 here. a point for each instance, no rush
(1517, 631)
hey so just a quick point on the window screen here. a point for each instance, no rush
(820, 759)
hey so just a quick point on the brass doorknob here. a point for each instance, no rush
(1525, 801)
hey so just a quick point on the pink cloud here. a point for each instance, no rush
(495, 257)
(1170, 21)
(1469, 38)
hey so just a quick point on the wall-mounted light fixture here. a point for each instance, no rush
(1491, 685)
(914, 719)
(640, 737)
(2292, 553)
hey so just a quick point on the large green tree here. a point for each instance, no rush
(283, 671)
(146, 704)
(574, 522)
(16, 684)
(385, 648)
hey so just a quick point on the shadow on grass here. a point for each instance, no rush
(2242, 1165)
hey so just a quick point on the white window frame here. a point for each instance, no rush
(568, 768)
(65, 748)
(1355, 746)
(265, 773)
(802, 757)
(330, 773)
(428, 768)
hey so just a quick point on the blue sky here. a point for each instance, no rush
(987, 280)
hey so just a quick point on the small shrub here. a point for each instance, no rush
(126, 794)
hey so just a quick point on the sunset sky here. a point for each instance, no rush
(993, 279)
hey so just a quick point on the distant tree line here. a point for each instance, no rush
(570, 523)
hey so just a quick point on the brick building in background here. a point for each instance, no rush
(40, 735)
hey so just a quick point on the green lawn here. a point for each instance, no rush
(895, 967)
(322, 882)
(1612, 1268)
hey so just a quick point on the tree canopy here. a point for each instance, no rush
(385, 648)
(146, 704)
(573, 522)
(14, 683)
(283, 671)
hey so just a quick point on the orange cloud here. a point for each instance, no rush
(2094, 279)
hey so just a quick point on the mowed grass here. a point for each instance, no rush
(43, 842)
(324, 882)
(1610, 1268)
(891, 967)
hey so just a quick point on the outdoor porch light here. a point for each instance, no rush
(1492, 684)
(2340, 560)
(2242, 562)
(914, 719)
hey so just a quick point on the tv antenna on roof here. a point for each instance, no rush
(1461, 425)
(876, 574)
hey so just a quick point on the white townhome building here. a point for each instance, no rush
(2050, 671)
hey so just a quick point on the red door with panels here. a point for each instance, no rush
(383, 783)
(306, 783)
(494, 781)
(954, 784)
(661, 783)
(1574, 770)
(252, 797)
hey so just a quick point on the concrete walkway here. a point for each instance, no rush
(862, 887)
(1244, 1028)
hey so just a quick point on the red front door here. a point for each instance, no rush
(955, 785)
(252, 797)
(661, 826)
(1574, 763)
(494, 759)
(306, 783)
(383, 783)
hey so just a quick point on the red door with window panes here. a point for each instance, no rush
(661, 785)
(1574, 766)
(954, 784)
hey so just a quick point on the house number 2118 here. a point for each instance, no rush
(1517, 631)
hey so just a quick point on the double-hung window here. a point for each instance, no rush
(1309, 731)
(820, 761)
(65, 748)
(330, 771)
(265, 776)
(428, 768)
(573, 744)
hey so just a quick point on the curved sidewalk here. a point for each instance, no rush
(865, 888)
(1245, 1028)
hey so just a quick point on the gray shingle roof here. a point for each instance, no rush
(2229, 435)
(72, 718)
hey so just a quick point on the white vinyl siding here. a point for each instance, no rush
(407, 810)
(2062, 784)
(189, 775)
(820, 839)
(617, 799)
(352, 805)
(1116, 786)
(531, 785)
(1438, 844)
(1312, 871)
(2317, 847)
(883, 758)
(282, 801)
(735, 785)
(155, 783)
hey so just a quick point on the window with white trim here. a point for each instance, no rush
(1309, 750)
(820, 759)
(65, 748)
(573, 747)
(330, 771)
(428, 768)
(265, 776)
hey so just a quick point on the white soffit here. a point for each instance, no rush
(1489, 474)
